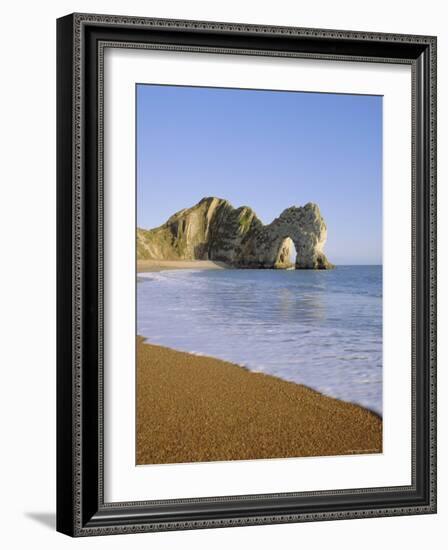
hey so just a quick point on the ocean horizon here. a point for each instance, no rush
(322, 329)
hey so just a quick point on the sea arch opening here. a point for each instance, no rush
(286, 255)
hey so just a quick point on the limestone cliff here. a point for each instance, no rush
(214, 230)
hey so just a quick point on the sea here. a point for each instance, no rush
(322, 329)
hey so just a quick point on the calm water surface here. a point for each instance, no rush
(318, 328)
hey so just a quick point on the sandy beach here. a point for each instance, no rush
(145, 266)
(194, 408)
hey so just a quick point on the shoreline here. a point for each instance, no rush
(249, 370)
(195, 408)
(151, 266)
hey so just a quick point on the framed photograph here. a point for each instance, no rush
(246, 274)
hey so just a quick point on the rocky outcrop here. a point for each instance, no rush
(214, 230)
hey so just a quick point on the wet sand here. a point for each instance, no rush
(145, 266)
(193, 408)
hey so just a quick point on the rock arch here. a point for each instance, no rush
(213, 229)
(307, 230)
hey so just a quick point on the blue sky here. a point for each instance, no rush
(268, 150)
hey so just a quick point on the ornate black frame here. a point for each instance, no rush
(81, 510)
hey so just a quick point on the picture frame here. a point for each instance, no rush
(81, 506)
